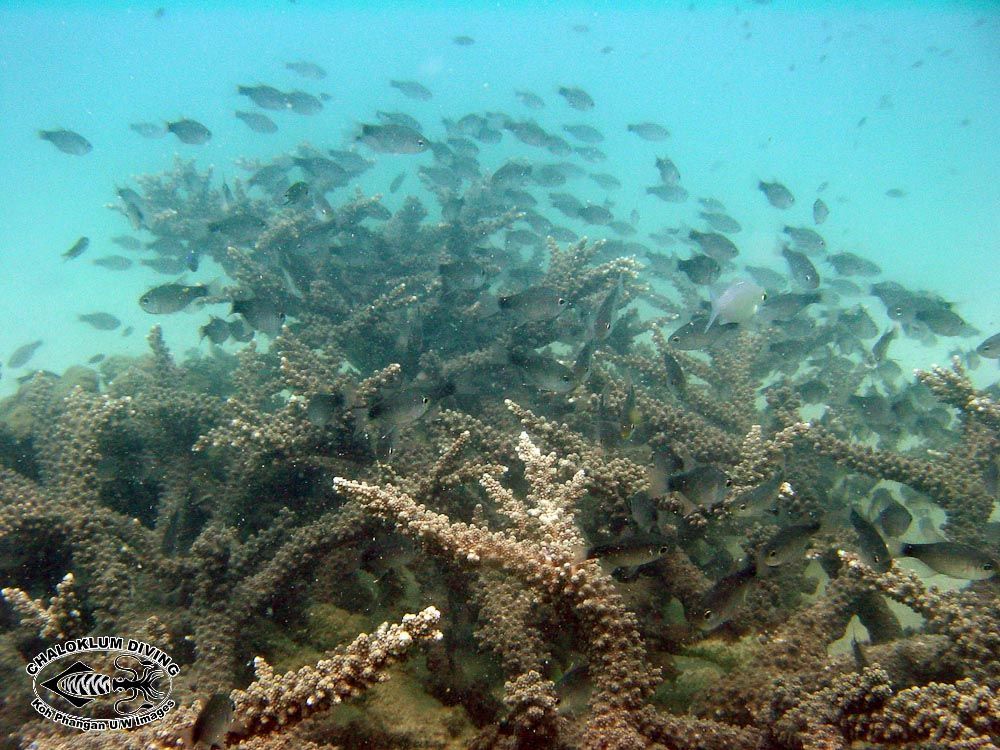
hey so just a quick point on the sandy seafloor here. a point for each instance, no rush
(748, 91)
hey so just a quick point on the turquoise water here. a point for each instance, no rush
(747, 91)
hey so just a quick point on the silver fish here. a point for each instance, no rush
(535, 304)
(737, 303)
(627, 554)
(990, 348)
(953, 559)
(171, 298)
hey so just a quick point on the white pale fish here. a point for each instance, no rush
(737, 303)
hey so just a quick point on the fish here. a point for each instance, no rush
(96, 359)
(265, 97)
(895, 193)
(412, 89)
(240, 330)
(990, 348)
(399, 118)
(590, 153)
(606, 181)
(127, 241)
(302, 103)
(649, 131)
(643, 509)
(766, 277)
(171, 298)
(721, 222)
(296, 193)
(675, 373)
(881, 347)
(257, 122)
(788, 544)
(576, 97)
(953, 559)
(102, 321)
(874, 553)
(529, 99)
(165, 264)
(215, 330)
(720, 602)
(759, 500)
(631, 553)
(392, 139)
(213, 723)
(696, 335)
(700, 269)
(190, 131)
(777, 194)
(803, 272)
(820, 211)
(463, 41)
(79, 248)
(943, 321)
(23, 354)
(322, 407)
(604, 318)
(737, 303)
(702, 486)
(148, 129)
(262, 314)
(787, 305)
(534, 304)
(849, 264)
(307, 69)
(398, 409)
(462, 275)
(669, 173)
(593, 214)
(67, 141)
(397, 181)
(113, 262)
(715, 245)
(584, 133)
(544, 372)
(894, 518)
(243, 226)
(805, 239)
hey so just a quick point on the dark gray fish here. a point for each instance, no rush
(874, 553)
(990, 348)
(190, 131)
(262, 315)
(590, 153)
(397, 181)
(266, 97)
(302, 103)
(412, 89)
(213, 723)
(351, 161)
(96, 359)
(79, 248)
(535, 304)
(257, 122)
(787, 545)
(584, 133)
(543, 372)
(240, 330)
(703, 486)
(127, 241)
(720, 602)
(149, 129)
(171, 298)
(701, 269)
(669, 173)
(606, 181)
(943, 321)
(721, 222)
(604, 318)
(463, 41)
(895, 193)
(693, 335)
(760, 500)
(777, 194)
(67, 141)
(462, 275)
(192, 260)
(307, 69)
(23, 354)
(803, 272)
(593, 214)
(399, 118)
(849, 264)
(127, 331)
(215, 330)
(820, 211)
(398, 409)
(669, 193)
(134, 207)
(643, 509)
(894, 518)
(166, 264)
(766, 277)
(953, 559)
(530, 100)
(548, 175)
(675, 373)
(242, 226)
(805, 239)
(881, 347)
(321, 168)
(296, 193)
(322, 407)
(393, 139)
(649, 131)
(631, 553)
(787, 305)
(102, 321)
(113, 262)
(576, 97)
(715, 245)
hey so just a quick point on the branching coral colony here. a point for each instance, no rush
(557, 501)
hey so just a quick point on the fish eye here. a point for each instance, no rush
(772, 554)
(706, 615)
(988, 566)
(425, 399)
(742, 506)
(877, 558)
(763, 296)
(561, 302)
(565, 378)
(675, 339)
(663, 550)
(729, 482)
